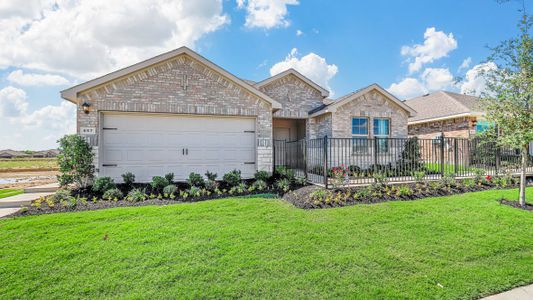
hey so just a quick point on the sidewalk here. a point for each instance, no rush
(519, 293)
(12, 204)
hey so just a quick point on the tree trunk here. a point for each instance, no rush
(522, 197)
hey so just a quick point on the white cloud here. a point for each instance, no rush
(311, 65)
(407, 88)
(437, 44)
(20, 9)
(299, 32)
(59, 118)
(474, 83)
(266, 13)
(13, 102)
(31, 79)
(465, 64)
(88, 38)
(431, 80)
(437, 79)
(39, 129)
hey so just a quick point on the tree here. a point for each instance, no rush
(75, 161)
(509, 90)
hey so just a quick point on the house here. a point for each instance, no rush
(45, 153)
(451, 114)
(8, 153)
(178, 112)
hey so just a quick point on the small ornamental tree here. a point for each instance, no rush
(75, 161)
(508, 100)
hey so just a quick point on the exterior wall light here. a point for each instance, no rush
(85, 106)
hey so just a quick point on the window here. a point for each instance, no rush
(382, 133)
(360, 135)
(482, 126)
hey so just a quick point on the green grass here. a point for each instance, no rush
(28, 163)
(448, 168)
(9, 192)
(265, 248)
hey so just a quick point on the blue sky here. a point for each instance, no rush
(408, 47)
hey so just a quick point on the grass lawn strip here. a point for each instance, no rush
(4, 193)
(454, 247)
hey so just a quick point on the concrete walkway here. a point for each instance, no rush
(519, 293)
(12, 204)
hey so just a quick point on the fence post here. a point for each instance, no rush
(273, 156)
(305, 157)
(375, 154)
(326, 161)
(442, 155)
(497, 163)
(455, 155)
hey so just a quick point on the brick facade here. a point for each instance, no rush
(181, 85)
(296, 96)
(462, 127)
(372, 105)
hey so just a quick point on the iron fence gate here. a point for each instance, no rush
(395, 158)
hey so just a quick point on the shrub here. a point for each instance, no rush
(404, 190)
(169, 190)
(169, 177)
(61, 195)
(238, 189)
(300, 180)
(158, 183)
(232, 178)
(379, 178)
(410, 158)
(262, 175)
(102, 184)
(75, 161)
(196, 180)
(194, 191)
(211, 176)
(136, 195)
(448, 180)
(259, 185)
(419, 176)
(478, 175)
(129, 179)
(354, 170)
(211, 185)
(283, 184)
(320, 195)
(284, 172)
(112, 194)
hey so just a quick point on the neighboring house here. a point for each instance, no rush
(45, 153)
(180, 113)
(8, 153)
(451, 114)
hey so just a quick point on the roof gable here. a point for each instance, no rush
(354, 95)
(71, 94)
(298, 75)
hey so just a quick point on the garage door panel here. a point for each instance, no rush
(153, 145)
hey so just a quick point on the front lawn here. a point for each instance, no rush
(9, 192)
(462, 246)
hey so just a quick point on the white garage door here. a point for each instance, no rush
(153, 145)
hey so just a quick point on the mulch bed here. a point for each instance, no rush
(515, 204)
(302, 197)
(103, 204)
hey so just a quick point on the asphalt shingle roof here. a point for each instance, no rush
(443, 104)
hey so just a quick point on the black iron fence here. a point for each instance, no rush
(355, 161)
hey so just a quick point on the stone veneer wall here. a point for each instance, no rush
(372, 105)
(296, 97)
(457, 127)
(181, 85)
(320, 126)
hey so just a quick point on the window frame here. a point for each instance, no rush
(382, 141)
(362, 147)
